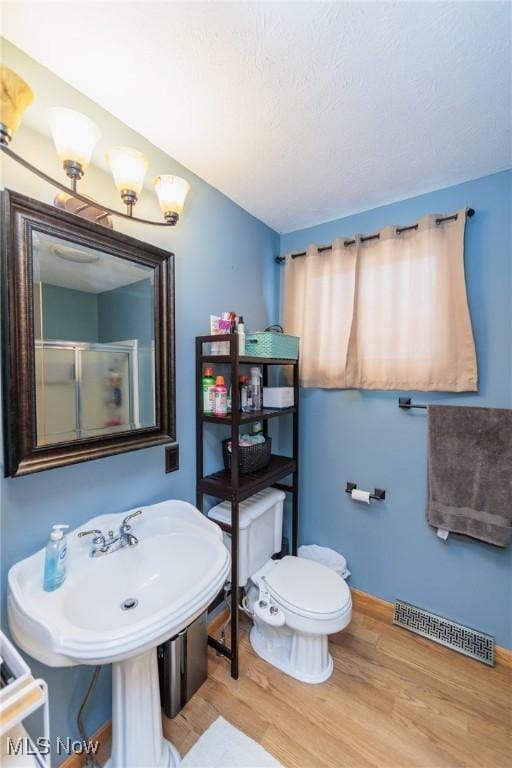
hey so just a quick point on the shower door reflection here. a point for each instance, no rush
(55, 393)
(85, 389)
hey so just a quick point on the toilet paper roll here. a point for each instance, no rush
(358, 495)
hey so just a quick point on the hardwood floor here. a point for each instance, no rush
(394, 699)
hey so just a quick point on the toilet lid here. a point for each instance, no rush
(308, 586)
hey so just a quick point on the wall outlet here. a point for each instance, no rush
(172, 458)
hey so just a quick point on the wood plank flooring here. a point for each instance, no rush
(394, 699)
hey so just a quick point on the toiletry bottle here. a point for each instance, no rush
(256, 388)
(241, 336)
(230, 399)
(216, 346)
(245, 402)
(55, 559)
(221, 397)
(208, 386)
(233, 321)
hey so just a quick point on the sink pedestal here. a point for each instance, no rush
(137, 737)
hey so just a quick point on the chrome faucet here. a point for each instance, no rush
(127, 538)
(102, 545)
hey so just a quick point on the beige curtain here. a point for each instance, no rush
(386, 313)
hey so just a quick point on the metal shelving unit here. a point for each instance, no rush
(230, 485)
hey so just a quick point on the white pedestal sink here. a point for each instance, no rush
(168, 579)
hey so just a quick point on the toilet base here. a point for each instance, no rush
(304, 657)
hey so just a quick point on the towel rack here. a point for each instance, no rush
(405, 403)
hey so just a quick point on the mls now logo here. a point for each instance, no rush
(42, 746)
(25, 746)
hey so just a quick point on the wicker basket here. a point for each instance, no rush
(272, 343)
(251, 458)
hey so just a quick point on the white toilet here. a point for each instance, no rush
(296, 603)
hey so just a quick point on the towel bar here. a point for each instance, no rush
(405, 403)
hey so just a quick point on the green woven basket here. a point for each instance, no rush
(272, 343)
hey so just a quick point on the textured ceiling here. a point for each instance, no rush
(299, 112)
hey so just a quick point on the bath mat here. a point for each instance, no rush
(224, 746)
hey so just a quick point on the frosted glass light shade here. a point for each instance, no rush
(171, 192)
(15, 97)
(128, 169)
(74, 134)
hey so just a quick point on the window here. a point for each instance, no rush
(388, 312)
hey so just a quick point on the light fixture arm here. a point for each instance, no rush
(88, 201)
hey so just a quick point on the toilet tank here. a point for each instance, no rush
(261, 529)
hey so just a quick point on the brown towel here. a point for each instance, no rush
(470, 472)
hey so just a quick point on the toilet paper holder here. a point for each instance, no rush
(379, 494)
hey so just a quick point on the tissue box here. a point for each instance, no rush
(278, 397)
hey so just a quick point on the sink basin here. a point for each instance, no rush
(118, 607)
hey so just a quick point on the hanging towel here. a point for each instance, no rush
(470, 472)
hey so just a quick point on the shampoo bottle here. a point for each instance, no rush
(56, 559)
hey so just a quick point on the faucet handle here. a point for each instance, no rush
(124, 524)
(98, 535)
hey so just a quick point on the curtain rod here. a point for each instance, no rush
(281, 259)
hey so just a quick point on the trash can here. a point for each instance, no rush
(183, 665)
(327, 557)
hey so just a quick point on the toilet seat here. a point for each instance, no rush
(306, 588)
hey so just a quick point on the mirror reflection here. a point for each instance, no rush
(94, 341)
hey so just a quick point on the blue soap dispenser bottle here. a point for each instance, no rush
(55, 559)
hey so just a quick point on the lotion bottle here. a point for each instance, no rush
(221, 397)
(241, 336)
(55, 563)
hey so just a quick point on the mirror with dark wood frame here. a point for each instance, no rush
(88, 318)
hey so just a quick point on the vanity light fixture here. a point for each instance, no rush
(75, 137)
(15, 97)
(129, 168)
(171, 192)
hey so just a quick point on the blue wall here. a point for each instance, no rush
(362, 436)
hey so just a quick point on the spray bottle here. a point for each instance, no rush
(256, 388)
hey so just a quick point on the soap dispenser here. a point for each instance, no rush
(56, 559)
